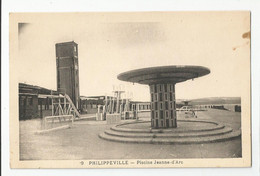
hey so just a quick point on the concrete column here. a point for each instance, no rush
(117, 102)
(99, 106)
(163, 106)
(121, 108)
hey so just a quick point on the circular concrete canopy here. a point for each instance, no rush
(163, 74)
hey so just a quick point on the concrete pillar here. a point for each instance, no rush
(117, 102)
(163, 106)
(98, 107)
(121, 108)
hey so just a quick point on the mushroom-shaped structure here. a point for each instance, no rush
(162, 82)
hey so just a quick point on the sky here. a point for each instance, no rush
(112, 43)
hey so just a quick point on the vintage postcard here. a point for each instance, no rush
(130, 89)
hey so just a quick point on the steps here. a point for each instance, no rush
(176, 130)
(168, 136)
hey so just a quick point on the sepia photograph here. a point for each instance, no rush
(130, 89)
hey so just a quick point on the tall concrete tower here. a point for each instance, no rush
(68, 70)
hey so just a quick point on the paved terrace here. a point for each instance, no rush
(82, 142)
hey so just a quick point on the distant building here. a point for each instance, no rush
(141, 106)
(34, 101)
(68, 70)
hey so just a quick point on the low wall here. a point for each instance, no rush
(113, 118)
